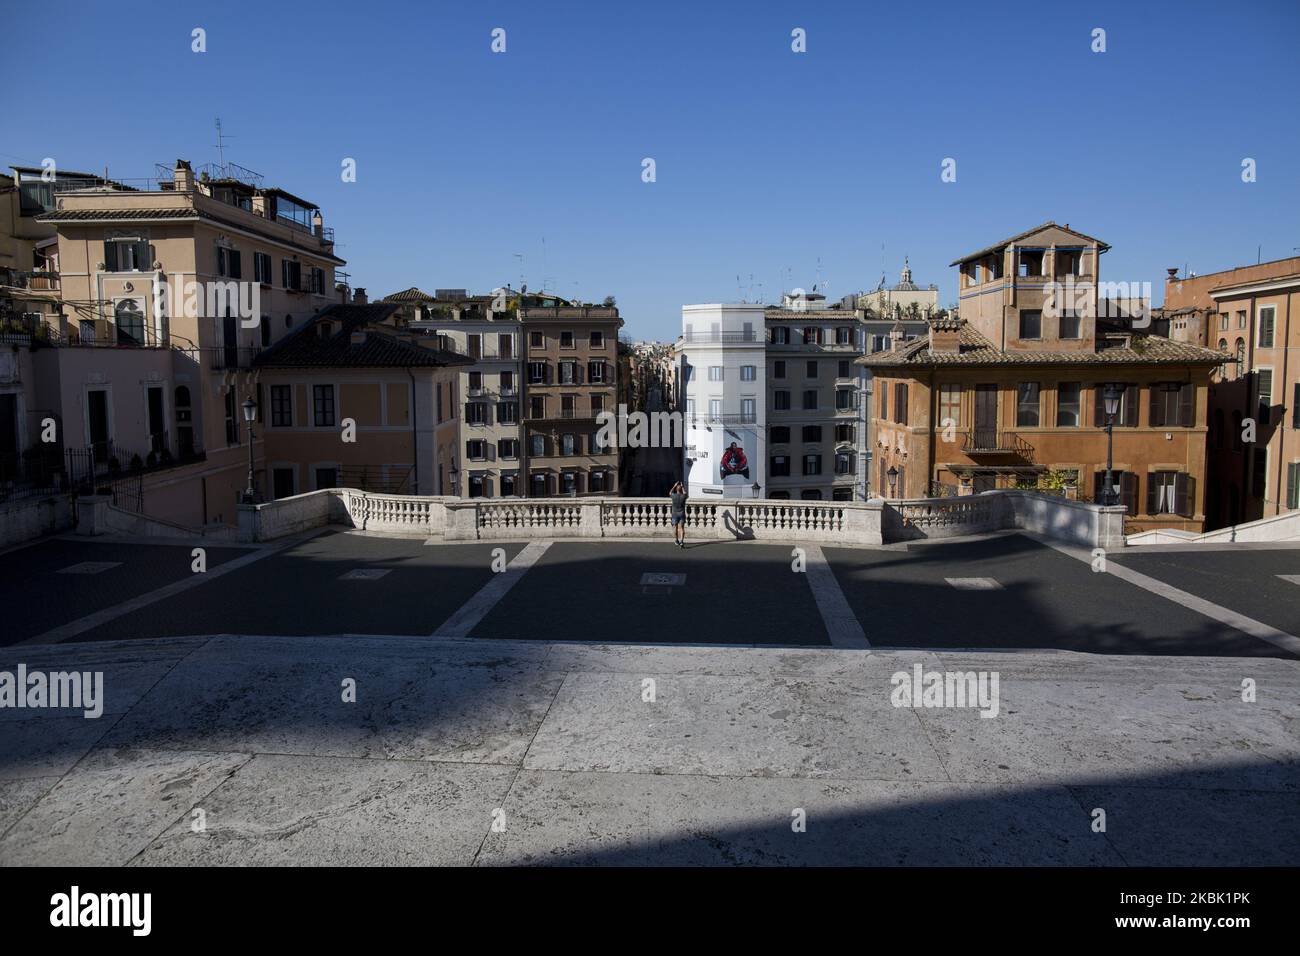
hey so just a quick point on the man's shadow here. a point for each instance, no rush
(741, 533)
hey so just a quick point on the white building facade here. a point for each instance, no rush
(722, 362)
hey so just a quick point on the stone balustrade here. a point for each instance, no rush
(831, 522)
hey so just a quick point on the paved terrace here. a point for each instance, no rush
(519, 699)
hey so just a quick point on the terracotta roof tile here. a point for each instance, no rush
(974, 349)
(382, 348)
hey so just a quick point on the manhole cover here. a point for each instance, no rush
(663, 579)
(365, 574)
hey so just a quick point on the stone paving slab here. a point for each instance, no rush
(112, 805)
(317, 811)
(651, 659)
(743, 726)
(645, 819)
(18, 796)
(50, 745)
(1186, 734)
(129, 669)
(428, 706)
(444, 733)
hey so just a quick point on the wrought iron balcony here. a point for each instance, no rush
(994, 441)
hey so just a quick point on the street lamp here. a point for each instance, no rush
(1110, 395)
(455, 473)
(250, 414)
(892, 474)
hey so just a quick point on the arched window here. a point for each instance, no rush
(1223, 345)
(129, 317)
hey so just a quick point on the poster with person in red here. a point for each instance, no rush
(734, 462)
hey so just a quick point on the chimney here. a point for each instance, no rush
(183, 177)
(1173, 273)
(945, 335)
(317, 224)
(359, 296)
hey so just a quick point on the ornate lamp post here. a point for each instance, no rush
(892, 474)
(250, 415)
(1110, 395)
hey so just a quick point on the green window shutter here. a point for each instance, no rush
(1157, 419)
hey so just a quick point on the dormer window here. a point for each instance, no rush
(326, 330)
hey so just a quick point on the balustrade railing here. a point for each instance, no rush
(525, 515)
(831, 522)
(790, 516)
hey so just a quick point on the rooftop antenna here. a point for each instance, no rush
(221, 144)
(740, 289)
(520, 257)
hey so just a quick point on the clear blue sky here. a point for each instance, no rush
(767, 160)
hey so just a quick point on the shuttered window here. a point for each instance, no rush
(1127, 416)
(1267, 318)
(1172, 405)
(1171, 492)
(1264, 394)
(900, 403)
(1125, 486)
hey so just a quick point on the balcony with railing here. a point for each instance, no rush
(723, 418)
(743, 336)
(996, 442)
(31, 281)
